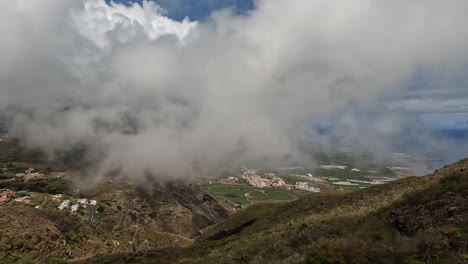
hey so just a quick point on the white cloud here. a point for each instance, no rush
(150, 95)
(99, 19)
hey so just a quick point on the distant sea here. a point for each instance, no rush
(452, 133)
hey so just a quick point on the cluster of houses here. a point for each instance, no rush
(29, 174)
(267, 180)
(315, 179)
(306, 187)
(310, 177)
(74, 207)
(230, 179)
(333, 167)
(374, 182)
(6, 195)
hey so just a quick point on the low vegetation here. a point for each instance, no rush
(413, 220)
(243, 194)
(50, 186)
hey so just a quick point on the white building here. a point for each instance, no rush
(332, 167)
(92, 202)
(305, 186)
(64, 204)
(75, 207)
(83, 202)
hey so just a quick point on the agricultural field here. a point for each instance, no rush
(326, 169)
(243, 194)
(360, 167)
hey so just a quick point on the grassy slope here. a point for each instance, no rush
(413, 220)
(30, 235)
(235, 193)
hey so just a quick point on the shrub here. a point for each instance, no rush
(100, 209)
(412, 260)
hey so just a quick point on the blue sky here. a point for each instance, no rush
(197, 9)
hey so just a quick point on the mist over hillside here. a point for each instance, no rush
(142, 94)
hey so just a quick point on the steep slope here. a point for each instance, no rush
(413, 220)
(161, 215)
(34, 230)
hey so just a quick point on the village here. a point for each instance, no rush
(269, 179)
(306, 187)
(76, 205)
(29, 174)
(61, 201)
(7, 195)
(293, 180)
(260, 179)
(67, 204)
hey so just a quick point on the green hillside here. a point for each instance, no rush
(413, 220)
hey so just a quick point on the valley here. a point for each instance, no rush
(50, 215)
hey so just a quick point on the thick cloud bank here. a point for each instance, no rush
(146, 95)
